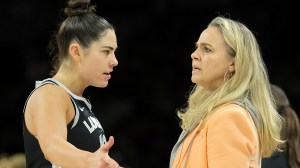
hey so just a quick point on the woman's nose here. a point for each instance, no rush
(114, 61)
(194, 56)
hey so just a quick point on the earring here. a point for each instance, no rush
(230, 74)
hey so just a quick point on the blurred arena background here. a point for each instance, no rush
(152, 79)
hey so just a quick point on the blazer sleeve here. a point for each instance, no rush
(231, 139)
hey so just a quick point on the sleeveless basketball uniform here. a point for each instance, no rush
(84, 131)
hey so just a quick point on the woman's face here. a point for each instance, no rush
(99, 60)
(210, 60)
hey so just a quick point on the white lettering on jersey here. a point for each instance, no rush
(93, 124)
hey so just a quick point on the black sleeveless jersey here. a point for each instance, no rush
(84, 131)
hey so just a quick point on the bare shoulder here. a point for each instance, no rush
(48, 96)
(46, 102)
(48, 91)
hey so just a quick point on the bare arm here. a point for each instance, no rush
(47, 114)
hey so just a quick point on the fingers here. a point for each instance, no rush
(110, 163)
(108, 144)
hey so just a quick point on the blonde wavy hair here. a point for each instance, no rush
(250, 80)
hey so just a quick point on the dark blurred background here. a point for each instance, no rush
(152, 79)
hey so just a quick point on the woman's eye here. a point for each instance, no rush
(106, 52)
(206, 49)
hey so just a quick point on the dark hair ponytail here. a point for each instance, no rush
(82, 25)
(78, 7)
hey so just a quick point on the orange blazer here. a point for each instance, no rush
(229, 139)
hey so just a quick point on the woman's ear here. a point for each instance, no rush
(74, 51)
(232, 67)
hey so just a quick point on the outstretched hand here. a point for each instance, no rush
(101, 159)
(105, 148)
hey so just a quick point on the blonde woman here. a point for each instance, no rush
(230, 120)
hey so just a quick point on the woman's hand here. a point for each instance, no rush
(101, 159)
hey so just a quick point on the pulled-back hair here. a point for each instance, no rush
(80, 24)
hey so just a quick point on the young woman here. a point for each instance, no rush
(60, 128)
